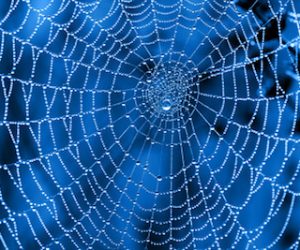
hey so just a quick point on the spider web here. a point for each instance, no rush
(131, 124)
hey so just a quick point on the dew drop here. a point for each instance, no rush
(166, 105)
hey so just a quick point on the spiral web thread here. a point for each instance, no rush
(131, 124)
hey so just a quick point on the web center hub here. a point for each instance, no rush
(166, 91)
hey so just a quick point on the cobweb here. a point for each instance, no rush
(153, 124)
